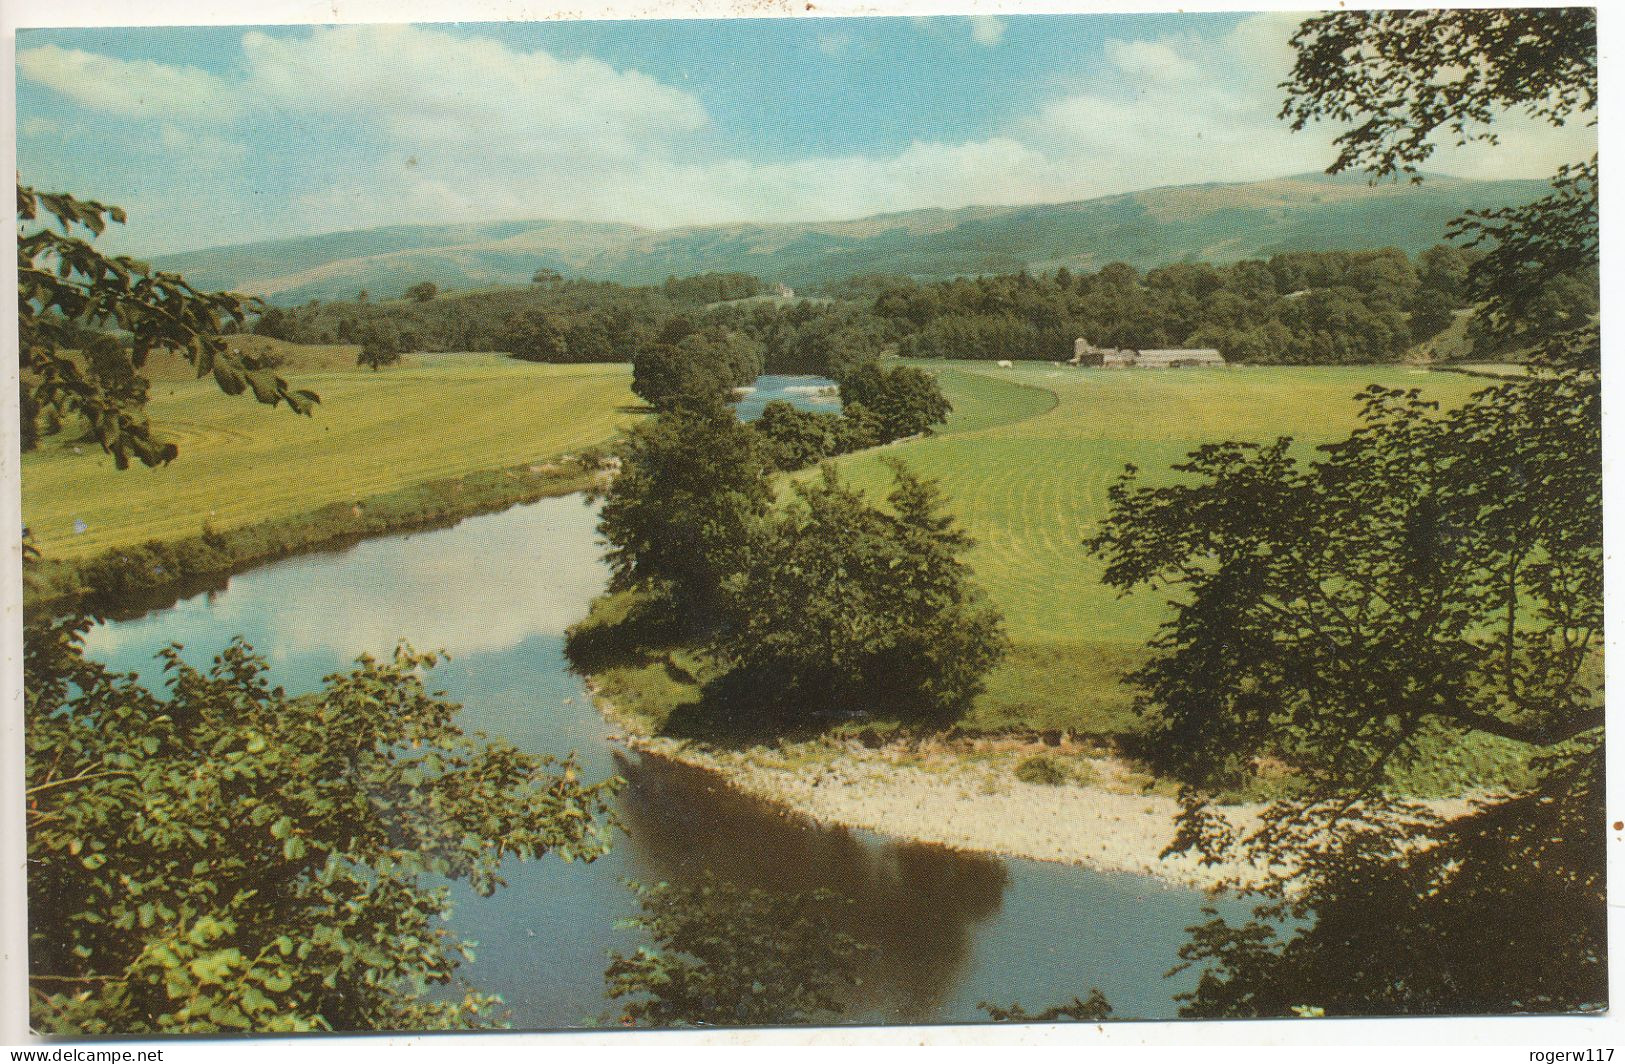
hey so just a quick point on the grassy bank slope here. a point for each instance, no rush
(374, 433)
(1031, 488)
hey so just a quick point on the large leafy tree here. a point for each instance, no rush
(380, 345)
(1434, 579)
(229, 857)
(905, 401)
(701, 366)
(845, 605)
(65, 286)
(678, 518)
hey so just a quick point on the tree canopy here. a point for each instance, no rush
(690, 364)
(678, 517)
(844, 606)
(228, 857)
(903, 400)
(380, 346)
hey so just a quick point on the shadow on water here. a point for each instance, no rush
(918, 906)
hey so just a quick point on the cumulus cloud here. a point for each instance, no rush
(1182, 108)
(130, 88)
(1186, 109)
(430, 88)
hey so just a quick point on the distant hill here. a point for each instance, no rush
(1213, 222)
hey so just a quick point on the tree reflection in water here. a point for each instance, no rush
(916, 905)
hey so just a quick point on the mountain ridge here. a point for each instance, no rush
(1214, 221)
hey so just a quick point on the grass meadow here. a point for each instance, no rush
(1025, 464)
(433, 418)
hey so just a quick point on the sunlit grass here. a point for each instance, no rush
(241, 463)
(1029, 478)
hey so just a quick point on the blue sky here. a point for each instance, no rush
(220, 135)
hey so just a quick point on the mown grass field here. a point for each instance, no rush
(1026, 464)
(435, 417)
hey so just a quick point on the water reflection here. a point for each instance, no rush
(918, 905)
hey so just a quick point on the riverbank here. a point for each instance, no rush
(129, 579)
(962, 794)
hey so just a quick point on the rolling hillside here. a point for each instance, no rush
(1216, 223)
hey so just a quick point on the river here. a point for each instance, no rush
(802, 391)
(497, 593)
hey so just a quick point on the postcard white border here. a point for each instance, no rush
(1500, 1039)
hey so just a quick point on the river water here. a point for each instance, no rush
(801, 391)
(497, 592)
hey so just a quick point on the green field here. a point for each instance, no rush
(1026, 463)
(241, 463)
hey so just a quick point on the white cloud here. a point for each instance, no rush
(130, 88)
(1153, 60)
(429, 89)
(1189, 109)
(38, 127)
(986, 30)
(202, 150)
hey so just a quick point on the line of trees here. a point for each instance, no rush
(1303, 308)
(1300, 308)
(572, 321)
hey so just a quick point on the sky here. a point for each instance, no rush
(221, 135)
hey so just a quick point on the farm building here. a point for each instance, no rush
(1086, 354)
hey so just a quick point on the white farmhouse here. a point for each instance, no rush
(1086, 354)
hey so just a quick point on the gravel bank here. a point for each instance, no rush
(963, 796)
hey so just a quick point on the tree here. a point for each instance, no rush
(796, 439)
(531, 335)
(1434, 579)
(547, 277)
(1431, 314)
(380, 345)
(64, 285)
(905, 401)
(690, 365)
(108, 363)
(727, 955)
(844, 606)
(588, 340)
(230, 858)
(678, 517)
(423, 292)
